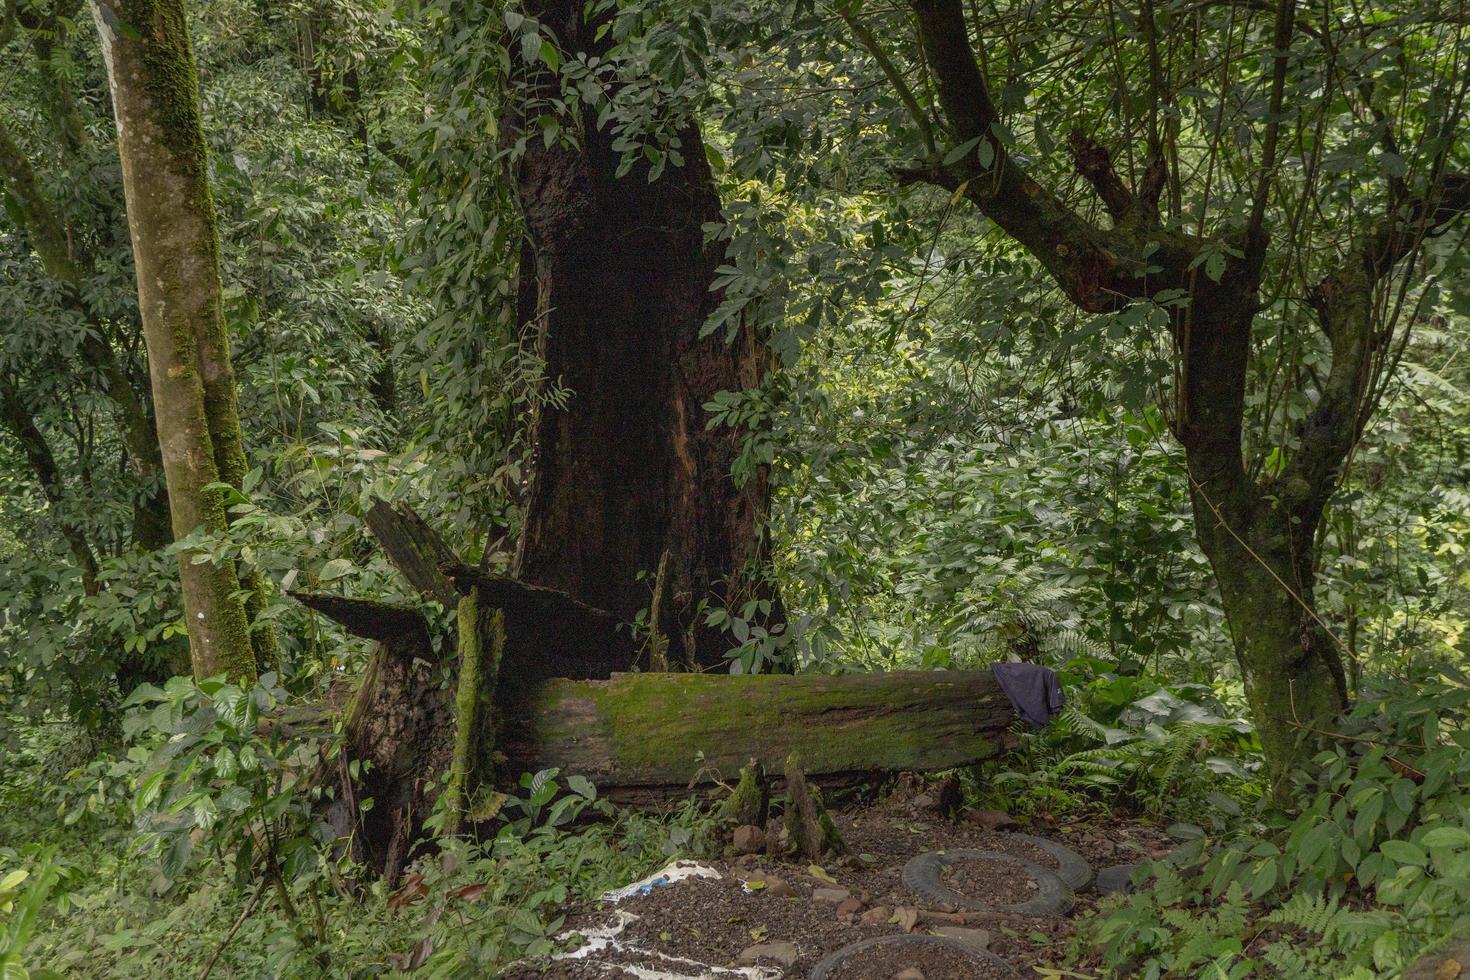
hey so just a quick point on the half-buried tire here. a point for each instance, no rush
(1071, 867)
(1119, 878)
(924, 876)
(979, 963)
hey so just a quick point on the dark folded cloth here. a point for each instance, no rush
(1035, 692)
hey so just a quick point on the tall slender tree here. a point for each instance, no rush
(151, 72)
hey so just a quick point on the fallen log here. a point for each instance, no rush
(676, 731)
(559, 696)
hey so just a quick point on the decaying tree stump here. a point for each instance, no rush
(543, 695)
(808, 824)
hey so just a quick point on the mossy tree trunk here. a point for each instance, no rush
(673, 731)
(627, 475)
(1294, 676)
(150, 68)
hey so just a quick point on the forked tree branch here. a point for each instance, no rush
(1095, 165)
(1344, 304)
(1100, 271)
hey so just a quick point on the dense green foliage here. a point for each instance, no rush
(967, 466)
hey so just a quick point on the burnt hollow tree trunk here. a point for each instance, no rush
(627, 477)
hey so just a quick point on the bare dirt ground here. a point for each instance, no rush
(770, 919)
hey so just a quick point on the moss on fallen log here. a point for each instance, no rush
(684, 729)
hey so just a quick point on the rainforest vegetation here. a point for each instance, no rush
(373, 373)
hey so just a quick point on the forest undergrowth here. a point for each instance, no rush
(155, 857)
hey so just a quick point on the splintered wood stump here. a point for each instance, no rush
(680, 730)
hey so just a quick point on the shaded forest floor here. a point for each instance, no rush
(764, 918)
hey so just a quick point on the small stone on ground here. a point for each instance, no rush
(979, 938)
(781, 953)
(749, 839)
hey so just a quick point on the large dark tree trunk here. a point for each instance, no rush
(627, 477)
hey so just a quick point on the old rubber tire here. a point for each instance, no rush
(1072, 867)
(924, 876)
(830, 964)
(1118, 878)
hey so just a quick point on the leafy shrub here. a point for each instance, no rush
(137, 888)
(1126, 741)
(23, 896)
(1373, 868)
(213, 774)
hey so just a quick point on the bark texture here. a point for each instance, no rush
(627, 472)
(155, 98)
(709, 726)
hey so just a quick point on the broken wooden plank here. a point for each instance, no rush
(414, 548)
(368, 618)
(678, 730)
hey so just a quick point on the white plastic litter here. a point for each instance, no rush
(605, 938)
(674, 873)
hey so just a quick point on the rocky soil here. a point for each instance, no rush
(765, 918)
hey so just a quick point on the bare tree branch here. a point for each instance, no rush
(1095, 165)
(1099, 270)
(1281, 42)
(895, 78)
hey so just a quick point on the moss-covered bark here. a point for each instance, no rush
(671, 729)
(155, 96)
(481, 643)
(750, 802)
(1264, 564)
(808, 824)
